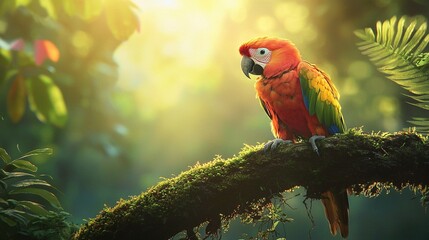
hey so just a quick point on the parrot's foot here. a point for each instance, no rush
(273, 144)
(313, 140)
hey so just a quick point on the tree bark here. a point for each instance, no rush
(226, 187)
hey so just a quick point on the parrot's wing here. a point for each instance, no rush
(265, 108)
(321, 97)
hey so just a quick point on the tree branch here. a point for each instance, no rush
(226, 187)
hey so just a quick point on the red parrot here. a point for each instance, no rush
(302, 102)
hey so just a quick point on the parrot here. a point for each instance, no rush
(302, 103)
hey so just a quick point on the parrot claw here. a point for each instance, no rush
(313, 140)
(273, 144)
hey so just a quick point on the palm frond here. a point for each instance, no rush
(396, 48)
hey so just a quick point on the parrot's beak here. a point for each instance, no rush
(249, 66)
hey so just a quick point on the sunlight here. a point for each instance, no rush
(150, 5)
(177, 42)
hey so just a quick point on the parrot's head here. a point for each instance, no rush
(268, 56)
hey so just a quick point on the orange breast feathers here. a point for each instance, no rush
(282, 98)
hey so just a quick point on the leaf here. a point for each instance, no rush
(396, 49)
(45, 49)
(48, 196)
(16, 100)
(35, 152)
(274, 226)
(423, 58)
(46, 100)
(24, 165)
(22, 3)
(34, 207)
(49, 6)
(15, 215)
(83, 9)
(121, 18)
(4, 156)
(8, 221)
(2, 201)
(31, 183)
(3, 185)
(12, 73)
(13, 175)
(3, 174)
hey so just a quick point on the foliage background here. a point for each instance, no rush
(175, 95)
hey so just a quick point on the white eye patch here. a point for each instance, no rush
(261, 55)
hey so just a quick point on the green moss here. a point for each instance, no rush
(244, 184)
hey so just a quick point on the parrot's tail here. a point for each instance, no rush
(337, 211)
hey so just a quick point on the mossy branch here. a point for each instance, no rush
(226, 187)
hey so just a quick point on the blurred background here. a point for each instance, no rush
(148, 103)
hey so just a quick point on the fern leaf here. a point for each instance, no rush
(396, 48)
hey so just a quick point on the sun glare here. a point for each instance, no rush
(185, 46)
(177, 41)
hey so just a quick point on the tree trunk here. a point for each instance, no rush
(226, 187)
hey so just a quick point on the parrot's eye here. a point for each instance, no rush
(262, 55)
(262, 51)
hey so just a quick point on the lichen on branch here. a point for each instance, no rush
(361, 162)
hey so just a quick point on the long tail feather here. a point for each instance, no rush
(336, 206)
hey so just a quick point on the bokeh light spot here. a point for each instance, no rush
(265, 23)
(388, 106)
(350, 87)
(293, 15)
(82, 42)
(360, 70)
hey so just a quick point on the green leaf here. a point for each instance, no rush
(16, 99)
(273, 228)
(48, 196)
(10, 222)
(34, 207)
(24, 3)
(36, 152)
(423, 58)
(49, 6)
(4, 156)
(24, 165)
(14, 215)
(4, 202)
(46, 100)
(3, 174)
(121, 18)
(31, 183)
(83, 9)
(396, 50)
(13, 175)
(11, 74)
(3, 185)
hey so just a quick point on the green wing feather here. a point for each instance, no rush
(321, 98)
